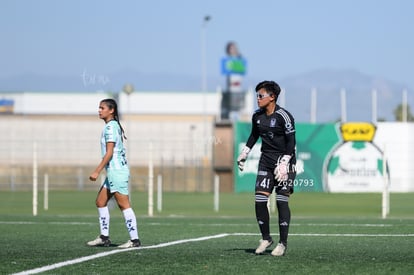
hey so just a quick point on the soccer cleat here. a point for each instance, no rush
(263, 245)
(100, 241)
(279, 250)
(130, 244)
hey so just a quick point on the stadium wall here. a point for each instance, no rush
(137, 103)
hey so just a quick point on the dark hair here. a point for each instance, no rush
(271, 87)
(112, 105)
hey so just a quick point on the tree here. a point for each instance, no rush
(398, 113)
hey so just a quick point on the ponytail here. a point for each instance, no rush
(123, 136)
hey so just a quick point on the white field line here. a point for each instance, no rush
(63, 223)
(351, 235)
(104, 254)
(217, 224)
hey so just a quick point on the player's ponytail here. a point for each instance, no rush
(116, 117)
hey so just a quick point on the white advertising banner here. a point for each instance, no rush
(370, 156)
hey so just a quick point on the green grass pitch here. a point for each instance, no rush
(329, 233)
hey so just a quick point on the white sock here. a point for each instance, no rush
(131, 223)
(104, 220)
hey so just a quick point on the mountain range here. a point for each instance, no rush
(327, 83)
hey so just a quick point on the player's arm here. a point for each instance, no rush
(254, 134)
(290, 144)
(282, 165)
(105, 160)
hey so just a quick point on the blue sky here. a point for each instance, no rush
(278, 38)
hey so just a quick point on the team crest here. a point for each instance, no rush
(273, 122)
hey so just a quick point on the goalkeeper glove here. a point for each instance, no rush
(242, 157)
(282, 168)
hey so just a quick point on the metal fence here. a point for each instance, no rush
(67, 150)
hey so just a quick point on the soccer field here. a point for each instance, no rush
(329, 233)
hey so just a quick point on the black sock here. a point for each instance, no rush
(262, 216)
(284, 219)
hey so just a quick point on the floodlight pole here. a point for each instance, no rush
(374, 107)
(128, 89)
(206, 19)
(204, 53)
(313, 106)
(343, 105)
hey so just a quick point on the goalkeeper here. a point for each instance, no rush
(276, 127)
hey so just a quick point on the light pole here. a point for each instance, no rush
(128, 89)
(204, 75)
(204, 53)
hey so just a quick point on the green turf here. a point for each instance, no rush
(330, 233)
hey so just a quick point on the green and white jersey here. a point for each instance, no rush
(112, 133)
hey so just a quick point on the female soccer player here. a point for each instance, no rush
(276, 169)
(117, 176)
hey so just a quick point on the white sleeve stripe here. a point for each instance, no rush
(284, 115)
(288, 122)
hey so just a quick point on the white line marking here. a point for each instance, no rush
(62, 223)
(218, 224)
(344, 224)
(104, 254)
(351, 235)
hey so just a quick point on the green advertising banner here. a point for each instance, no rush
(314, 143)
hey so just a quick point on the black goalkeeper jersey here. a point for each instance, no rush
(277, 132)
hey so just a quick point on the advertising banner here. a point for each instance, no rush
(356, 164)
(330, 157)
(314, 142)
